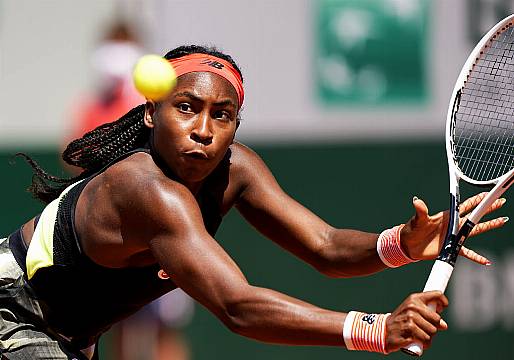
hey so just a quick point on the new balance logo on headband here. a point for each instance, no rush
(203, 62)
(213, 63)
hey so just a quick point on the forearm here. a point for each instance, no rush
(269, 316)
(355, 253)
(350, 253)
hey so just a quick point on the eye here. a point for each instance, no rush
(222, 115)
(185, 107)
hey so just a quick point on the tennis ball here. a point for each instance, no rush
(154, 77)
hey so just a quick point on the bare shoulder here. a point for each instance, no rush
(244, 159)
(250, 171)
(128, 205)
(138, 184)
(240, 150)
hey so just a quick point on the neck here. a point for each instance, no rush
(194, 187)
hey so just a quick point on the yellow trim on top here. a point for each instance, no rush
(41, 249)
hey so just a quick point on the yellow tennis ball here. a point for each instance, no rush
(154, 77)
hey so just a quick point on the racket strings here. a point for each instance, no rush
(483, 128)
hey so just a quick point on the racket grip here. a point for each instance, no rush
(438, 280)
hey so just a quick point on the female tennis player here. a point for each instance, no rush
(140, 221)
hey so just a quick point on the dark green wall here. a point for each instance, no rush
(367, 187)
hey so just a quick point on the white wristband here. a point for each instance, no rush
(365, 332)
(389, 249)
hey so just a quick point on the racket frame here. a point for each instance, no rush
(455, 237)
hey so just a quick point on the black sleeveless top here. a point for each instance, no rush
(81, 299)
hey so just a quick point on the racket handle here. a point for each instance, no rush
(438, 280)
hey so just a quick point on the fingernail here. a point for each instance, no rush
(443, 323)
(414, 198)
(503, 200)
(505, 219)
(488, 263)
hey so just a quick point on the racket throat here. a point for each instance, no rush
(454, 242)
(448, 252)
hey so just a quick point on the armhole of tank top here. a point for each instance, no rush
(77, 190)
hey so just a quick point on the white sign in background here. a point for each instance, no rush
(45, 48)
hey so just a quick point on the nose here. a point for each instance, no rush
(202, 132)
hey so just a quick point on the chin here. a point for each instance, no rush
(194, 176)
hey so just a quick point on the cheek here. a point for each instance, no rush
(227, 137)
(171, 129)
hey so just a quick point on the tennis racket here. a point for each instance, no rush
(479, 141)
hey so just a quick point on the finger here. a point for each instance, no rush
(473, 256)
(418, 333)
(427, 344)
(422, 331)
(468, 205)
(430, 316)
(471, 203)
(425, 331)
(439, 309)
(433, 296)
(426, 326)
(496, 205)
(489, 225)
(421, 209)
(419, 309)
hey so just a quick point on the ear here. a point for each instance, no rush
(149, 113)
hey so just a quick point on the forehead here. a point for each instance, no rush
(206, 84)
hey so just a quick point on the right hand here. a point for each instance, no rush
(413, 321)
(423, 235)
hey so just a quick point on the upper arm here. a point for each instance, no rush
(275, 214)
(193, 259)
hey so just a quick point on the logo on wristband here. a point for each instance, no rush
(369, 318)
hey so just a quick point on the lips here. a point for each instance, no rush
(197, 154)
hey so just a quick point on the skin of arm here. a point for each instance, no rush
(199, 265)
(332, 251)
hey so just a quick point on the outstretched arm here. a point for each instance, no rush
(197, 264)
(335, 252)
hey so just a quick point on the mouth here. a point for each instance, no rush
(197, 154)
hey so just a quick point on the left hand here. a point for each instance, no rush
(423, 235)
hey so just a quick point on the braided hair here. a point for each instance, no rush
(107, 142)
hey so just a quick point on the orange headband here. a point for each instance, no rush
(213, 64)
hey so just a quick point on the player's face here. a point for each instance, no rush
(194, 125)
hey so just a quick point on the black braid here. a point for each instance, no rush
(40, 186)
(107, 142)
(92, 152)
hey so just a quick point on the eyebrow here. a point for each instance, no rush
(196, 98)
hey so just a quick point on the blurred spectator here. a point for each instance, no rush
(155, 332)
(156, 329)
(113, 92)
